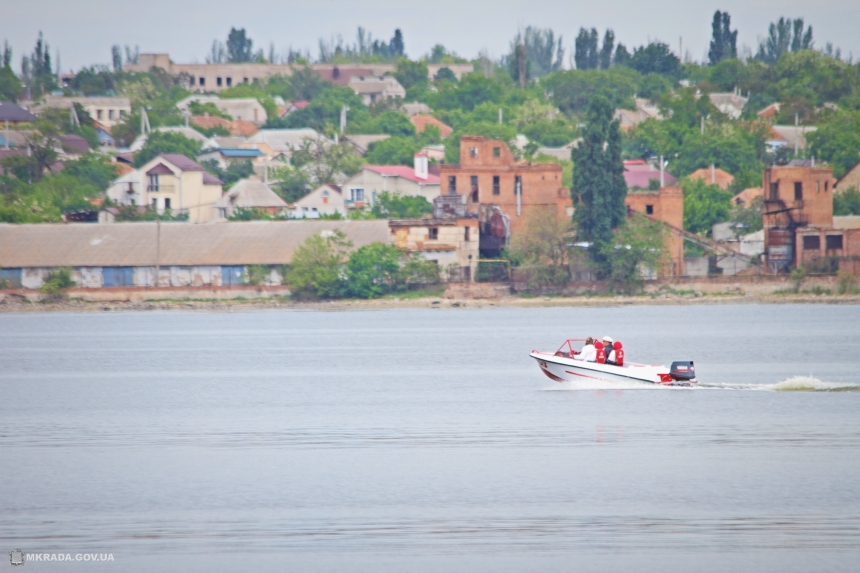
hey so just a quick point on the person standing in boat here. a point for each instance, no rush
(588, 352)
(610, 351)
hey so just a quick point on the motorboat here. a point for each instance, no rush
(562, 366)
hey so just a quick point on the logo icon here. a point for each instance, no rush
(16, 557)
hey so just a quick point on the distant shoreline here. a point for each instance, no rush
(14, 304)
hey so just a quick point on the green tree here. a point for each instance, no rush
(10, 86)
(396, 206)
(204, 108)
(234, 172)
(413, 76)
(598, 184)
(783, 36)
(40, 75)
(586, 55)
(636, 246)
(846, 202)
(317, 265)
(158, 142)
(373, 269)
(704, 205)
(573, 90)
(655, 58)
(250, 214)
(724, 42)
(239, 46)
(291, 183)
(541, 249)
(837, 140)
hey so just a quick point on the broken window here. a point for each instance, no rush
(167, 202)
(229, 82)
(812, 243)
(473, 152)
(474, 180)
(433, 234)
(798, 191)
(452, 184)
(497, 152)
(649, 209)
(774, 191)
(202, 81)
(834, 242)
(497, 188)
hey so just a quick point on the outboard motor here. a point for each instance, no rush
(683, 371)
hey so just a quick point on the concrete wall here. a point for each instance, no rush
(449, 248)
(172, 276)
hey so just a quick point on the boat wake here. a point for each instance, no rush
(793, 384)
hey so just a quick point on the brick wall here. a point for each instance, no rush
(665, 205)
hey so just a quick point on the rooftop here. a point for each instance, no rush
(402, 171)
(11, 112)
(137, 244)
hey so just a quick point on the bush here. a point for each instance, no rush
(797, 277)
(316, 269)
(257, 274)
(638, 245)
(58, 280)
(373, 269)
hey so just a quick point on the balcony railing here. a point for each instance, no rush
(161, 188)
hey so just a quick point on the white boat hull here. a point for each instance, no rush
(564, 369)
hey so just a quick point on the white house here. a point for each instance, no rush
(375, 88)
(363, 188)
(246, 108)
(324, 200)
(170, 182)
(282, 142)
(249, 194)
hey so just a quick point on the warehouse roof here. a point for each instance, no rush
(137, 244)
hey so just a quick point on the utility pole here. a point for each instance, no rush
(157, 250)
(662, 177)
(796, 134)
(500, 115)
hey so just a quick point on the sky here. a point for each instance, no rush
(84, 30)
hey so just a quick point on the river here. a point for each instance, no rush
(427, 440)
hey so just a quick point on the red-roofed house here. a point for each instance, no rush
(422, 121)
(638, 174)
(714, 176)
(170, 182)
(364, 187)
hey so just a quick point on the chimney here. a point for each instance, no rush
(421, 167)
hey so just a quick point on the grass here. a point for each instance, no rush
(435, 291)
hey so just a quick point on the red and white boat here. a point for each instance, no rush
(561, 366)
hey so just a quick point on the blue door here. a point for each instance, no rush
(118, 276)
(232, 275)
(11, 276)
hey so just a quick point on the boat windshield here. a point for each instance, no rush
(567, 349)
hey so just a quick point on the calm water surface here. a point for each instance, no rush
(428, 440)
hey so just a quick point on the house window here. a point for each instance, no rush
(518, 185)
(218, 81)
(473, 152)
(826, 183)
(99, 114)
(110, 114)
(812, 243)
(155, 203)
(497, 152)
(466, 235)
(122, 113)
(452, 184)
(229, 82)
(474, 180)
(798, 191)
(153, 183)
(245, 80)
(833, 242)
(167, 202)
(356, 194)
(774, 191)
(497, 188)
(202, 81)
(649, 209)
(434, 234)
